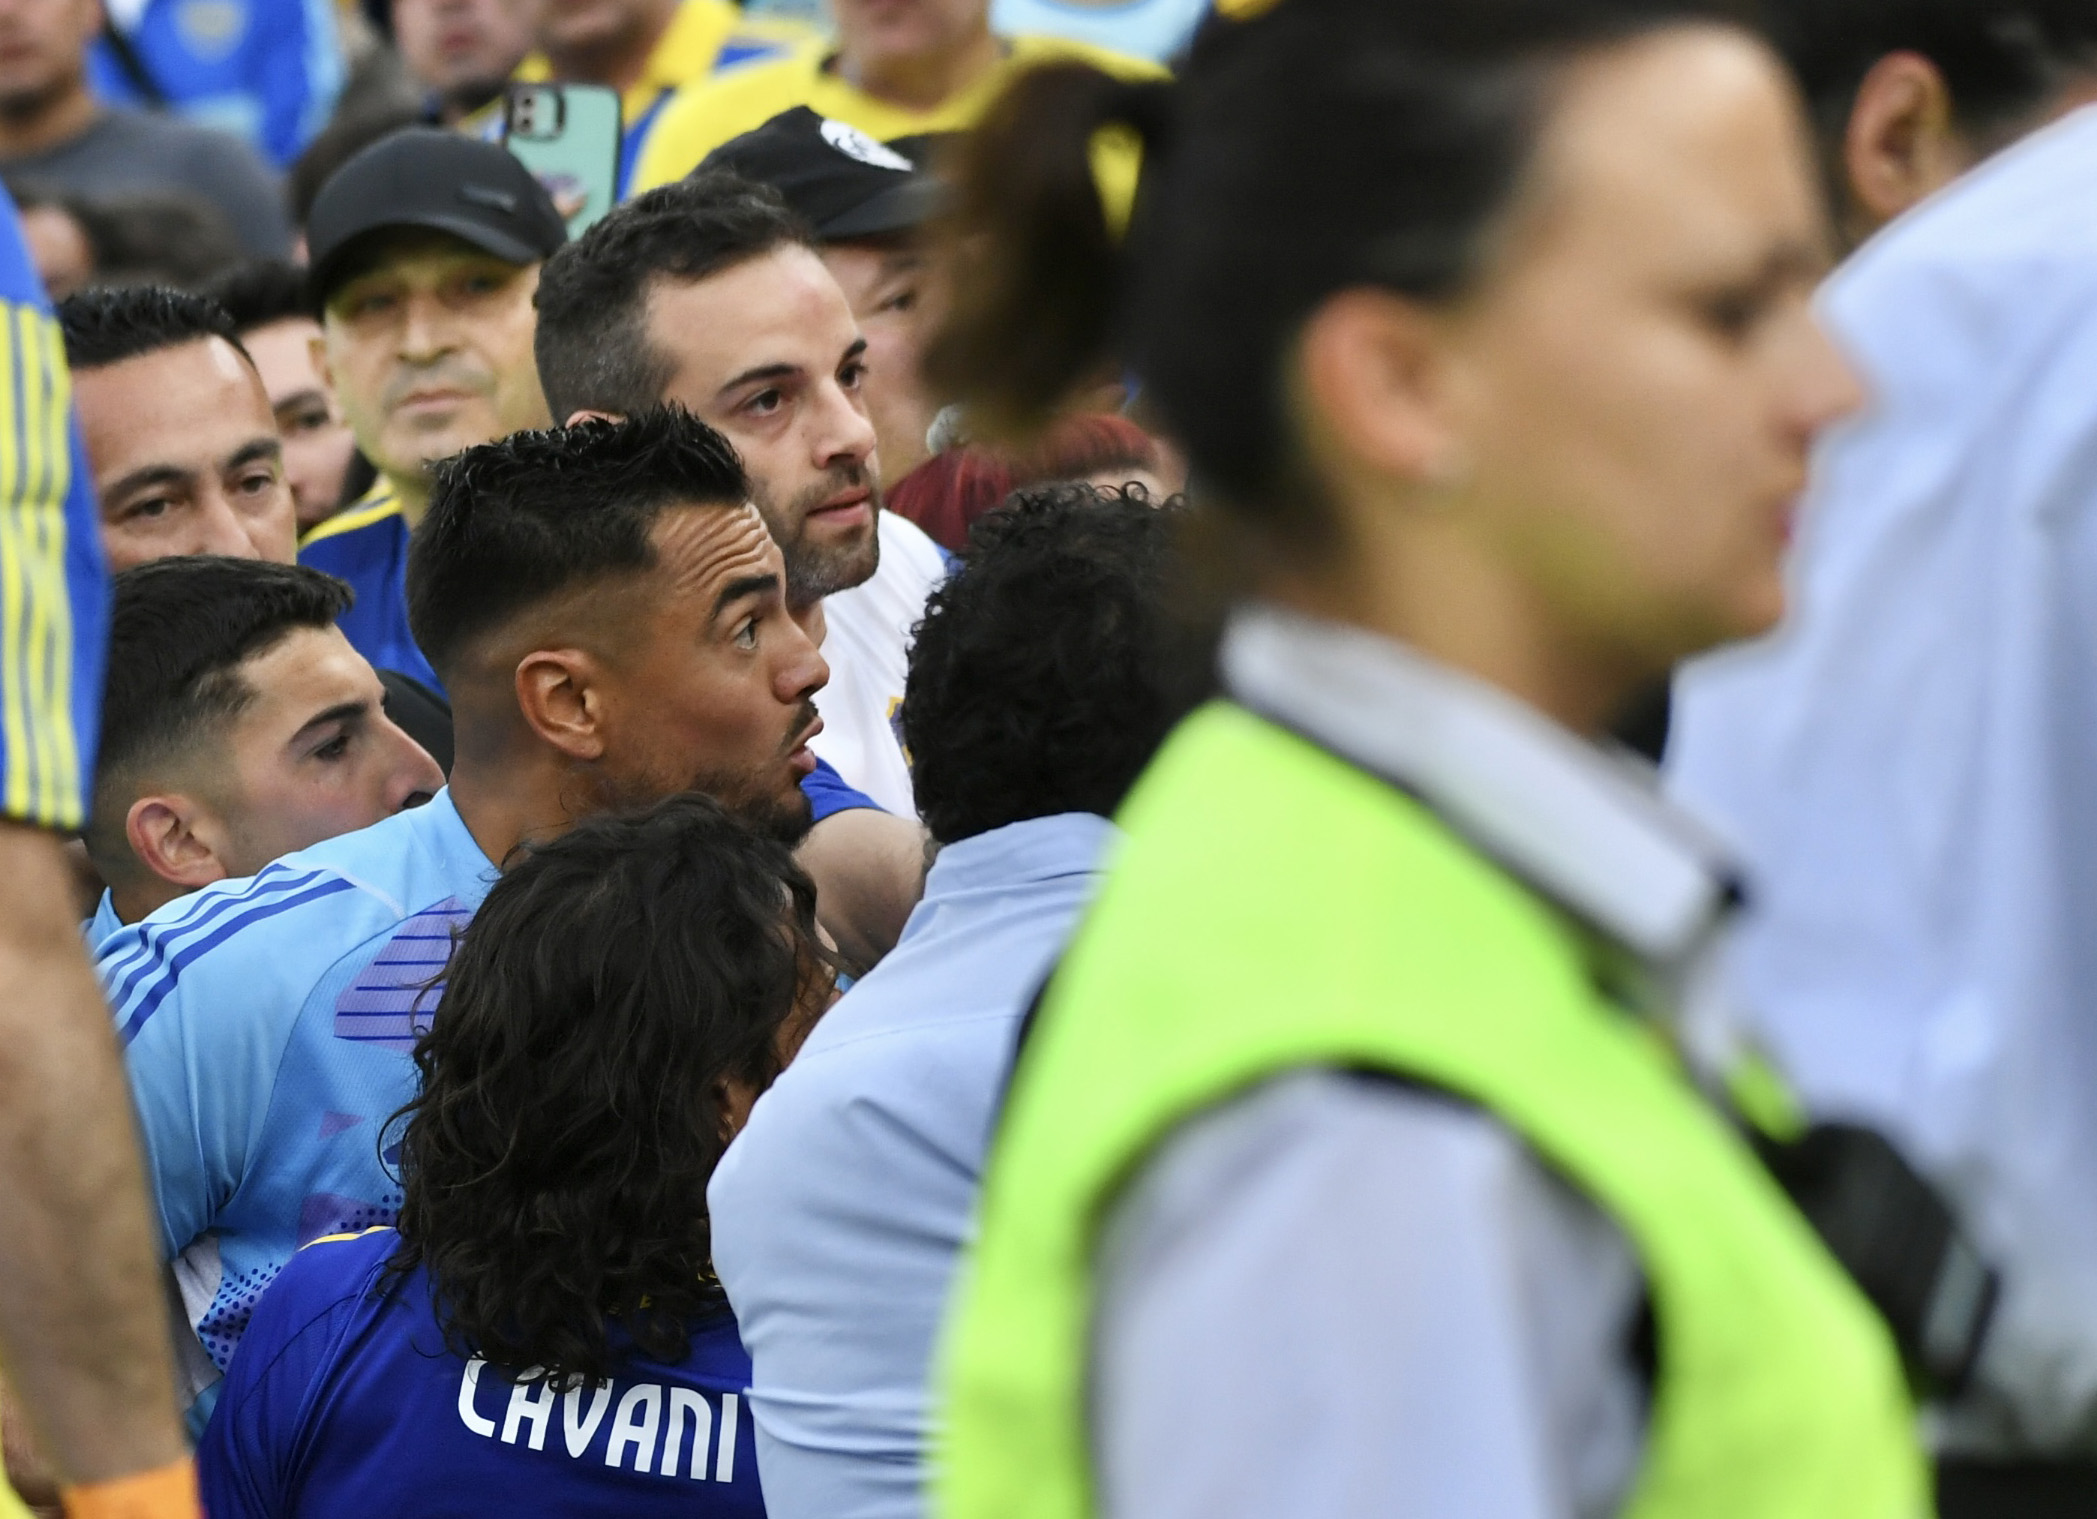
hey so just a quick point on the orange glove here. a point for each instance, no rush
(167, 1492)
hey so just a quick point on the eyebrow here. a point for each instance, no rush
(341, 712)
(761, 372)
(306, 397)
(741, 586)
(248, 453)
(152, 474)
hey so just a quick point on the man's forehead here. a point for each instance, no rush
(780, 307)
(400, 251)
(196, 380)
(703, 545)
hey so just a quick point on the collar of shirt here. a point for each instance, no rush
(1585, 828)
(1017, 855)
(375, 505)
(104, 923)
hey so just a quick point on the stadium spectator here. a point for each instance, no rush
(710, 294)
(426, 250)
(461, 53)
(136, 238)
(54, 226)
(267, 71)
(1040, 684)
(180, 436)
(274, 322)
(1356, 1160)
(342, 139)
(54, 131)
(867, 204)
(608, 614)
(238, 725)
(82, 1327)
(1906, 772)
(898, 68)
(949, 491)
(621, 997)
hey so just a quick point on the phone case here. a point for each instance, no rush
(568, 136)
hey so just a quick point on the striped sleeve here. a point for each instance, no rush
(53, 589)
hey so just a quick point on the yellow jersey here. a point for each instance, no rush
(702, 116)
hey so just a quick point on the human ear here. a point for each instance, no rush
(559, 691)
(1373, 376)
(1902, 142)
(168, 835)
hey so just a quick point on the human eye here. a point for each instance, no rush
(306, 419)
(765, 403)
(903, 300)
(146, 508)
(746, 634)
(853, 374)
(255, 482)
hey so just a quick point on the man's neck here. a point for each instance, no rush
(48, 123)
(137, 899)
(504, 803)
(620, 63)
(413, 494)
(923, 81)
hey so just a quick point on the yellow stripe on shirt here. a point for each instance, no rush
(375, 505)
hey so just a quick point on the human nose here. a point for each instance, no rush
(1824, 387)
(844, 432)
(412, 773)
(222, 530)
(424, 331)
(802, 671)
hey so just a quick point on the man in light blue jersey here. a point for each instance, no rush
(608, 613)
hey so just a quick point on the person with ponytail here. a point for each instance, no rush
(1362, 1158)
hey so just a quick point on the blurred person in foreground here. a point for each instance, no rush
(180, 436)
(711, 294)
(238, 725)
(868, 204)
(1907, 770)
(54, 130)
(608, 613)
(950, 491)
(896, 68)
(426, 251)
(1040, 684)
(462, 52)
(83, 1333)
(1357, 1161)
(274, 322)
(619, 1000)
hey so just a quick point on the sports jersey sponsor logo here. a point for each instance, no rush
(654, 1428)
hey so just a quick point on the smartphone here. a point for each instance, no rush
(568, 136)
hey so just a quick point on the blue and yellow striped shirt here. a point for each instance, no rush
(54, 590)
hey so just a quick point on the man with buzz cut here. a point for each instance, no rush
(425, 249)
(609, 615)
(238, 725)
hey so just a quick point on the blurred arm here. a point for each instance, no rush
(82, 1324)
(869, 871)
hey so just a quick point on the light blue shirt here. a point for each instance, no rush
(838, 1213)
(1909, 769)
(96, 930)
(267, 1027)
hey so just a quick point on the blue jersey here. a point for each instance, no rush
(267, 1026)
(54, 592)
(367, 545)
(265, 70)
(344, 1403)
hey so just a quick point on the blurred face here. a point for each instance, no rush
(884, 284)
(43, 47)
(585, 26)
(768, 353)
(186, 457)
(463, 50)
(1635, 390)
(430, 351)
(873, 34)
(709, 684)
(313, 756)
(58, 246)
(317, 442)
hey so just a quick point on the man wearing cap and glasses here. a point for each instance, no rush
(426, 249)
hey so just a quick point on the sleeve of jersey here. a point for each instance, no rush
(205, 1001)
(829, 794)
(53, 590)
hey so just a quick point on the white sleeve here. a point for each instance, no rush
(1338, 1297)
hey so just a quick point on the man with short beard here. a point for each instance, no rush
(426, 248)
(711, 294)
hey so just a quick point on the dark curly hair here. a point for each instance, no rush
(1042, 678)
(555, 1164)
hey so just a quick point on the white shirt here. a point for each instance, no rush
(1909, 769)
(1348, 1298)
(868, 648)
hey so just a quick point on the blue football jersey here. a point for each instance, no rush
(345, 1403)
(367, 545)
(265, 70)
(268, 1025)
(54, 591)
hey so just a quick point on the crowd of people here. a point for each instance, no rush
(1318, 757)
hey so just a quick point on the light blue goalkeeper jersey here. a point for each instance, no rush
(268, 1024)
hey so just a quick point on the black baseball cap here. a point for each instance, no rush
(835, 177)
(424, 177)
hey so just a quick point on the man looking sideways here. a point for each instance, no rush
(711, 294)
(238, 725)
(609, 615)
(272, 321)
(426, 250)
(178, 427)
